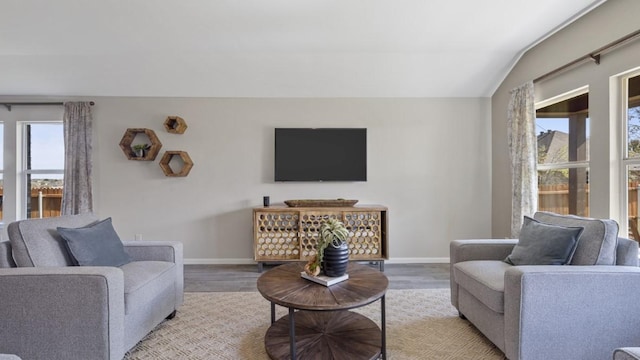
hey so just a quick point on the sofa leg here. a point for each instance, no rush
(460, 315)
(172, 315)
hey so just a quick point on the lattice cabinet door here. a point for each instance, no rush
(276, 236)
(310, 222)
(365, 234)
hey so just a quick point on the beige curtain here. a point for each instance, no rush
(523, 153)
(77, 197)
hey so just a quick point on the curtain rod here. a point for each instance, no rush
(594, 56)
(9, 105)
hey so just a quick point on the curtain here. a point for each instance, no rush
(523, 154)
(77, 197)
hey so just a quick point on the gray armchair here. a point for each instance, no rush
(576, 311)
(51, 310)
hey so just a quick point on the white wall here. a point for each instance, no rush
(428, 161)
(609, 22)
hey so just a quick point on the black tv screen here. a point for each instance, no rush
(320, 154)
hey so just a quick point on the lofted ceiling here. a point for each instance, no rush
(274, 48)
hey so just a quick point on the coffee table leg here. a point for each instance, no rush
(383, 321)
(292, 333)
(273, 312)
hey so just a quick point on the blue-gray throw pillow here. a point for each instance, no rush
(96, 244)
(544, 244)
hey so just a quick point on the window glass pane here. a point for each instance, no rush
(556, 193)
(633, 118)
(633, 154)
(46, 150)
(633, 174)
(44, 195)
(563, 137)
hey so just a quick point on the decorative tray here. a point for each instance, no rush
(320, 203)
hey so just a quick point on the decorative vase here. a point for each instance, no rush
(335, 260)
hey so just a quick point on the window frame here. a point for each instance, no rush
(625, 162)
(576, 164)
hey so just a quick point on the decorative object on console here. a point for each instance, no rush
(265, 201)
(187, 163)
(332, 252)
(128, 139)
(175, 125)
(321, 203)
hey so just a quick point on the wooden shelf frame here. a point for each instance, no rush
(175, 125)
(166, 166)
(129, 137)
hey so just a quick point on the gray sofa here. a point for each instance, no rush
(52, 310)
(583, 310)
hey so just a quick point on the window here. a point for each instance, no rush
(42, 169)
(631, 114)
(1, 169)
(563, 154)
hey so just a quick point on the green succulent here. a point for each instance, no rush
(140, 147)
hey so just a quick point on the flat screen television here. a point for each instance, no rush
(320, 154)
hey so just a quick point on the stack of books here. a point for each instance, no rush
(325, 280)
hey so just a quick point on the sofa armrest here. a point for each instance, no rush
(577, 312)
(62, 312)
(476, 249)
(480, 249)
(170, 251)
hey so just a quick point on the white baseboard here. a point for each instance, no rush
(242, 261)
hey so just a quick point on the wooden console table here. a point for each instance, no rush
(283, 234)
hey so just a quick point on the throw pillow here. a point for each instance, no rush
(96, 244)
(544, 244)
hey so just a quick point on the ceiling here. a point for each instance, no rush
(274, 48)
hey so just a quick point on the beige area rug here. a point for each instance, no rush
(421, 324)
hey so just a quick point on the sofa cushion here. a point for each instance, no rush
(544, 244)
(35, 242)
(96, 244)
(483, 279)
(598, 242)
(145, 281)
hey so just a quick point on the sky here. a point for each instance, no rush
(47, 146)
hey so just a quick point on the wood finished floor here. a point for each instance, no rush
(211, 278)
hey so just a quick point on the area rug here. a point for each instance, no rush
(421, 324)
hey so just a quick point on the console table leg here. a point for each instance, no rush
(260, 268)
(381, 265)
(383, 322)
(292, 333)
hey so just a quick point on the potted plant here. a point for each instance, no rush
(139, 149)
(332, 252)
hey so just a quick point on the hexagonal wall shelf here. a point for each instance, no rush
(128, 138)
(166, 159)
(175, 125)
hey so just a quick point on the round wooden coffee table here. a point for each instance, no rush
(322, 328)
